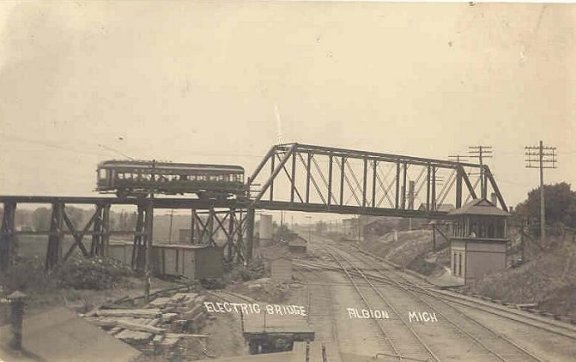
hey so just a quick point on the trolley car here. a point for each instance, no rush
(140, 178)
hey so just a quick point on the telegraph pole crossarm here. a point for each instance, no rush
(541, 157)
(481, 152)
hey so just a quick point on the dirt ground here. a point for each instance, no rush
(83, 301)
(548, 280)
(411, 249)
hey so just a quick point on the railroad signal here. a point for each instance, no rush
(541, 157)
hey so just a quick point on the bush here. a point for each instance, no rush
(93, 273)
(25, 274)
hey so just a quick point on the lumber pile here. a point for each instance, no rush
(160, 325)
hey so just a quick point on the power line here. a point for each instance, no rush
(541, 157)
(481, 152)
(458, 158)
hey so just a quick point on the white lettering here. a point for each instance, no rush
(422, 317)
(209, 307)
(352, 313)
(244, 308)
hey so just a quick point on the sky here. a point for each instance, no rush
(82, 82)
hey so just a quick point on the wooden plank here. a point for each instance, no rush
(134, 337)
(140, 327)
(127, 324)
(185, 335)
(142, 313)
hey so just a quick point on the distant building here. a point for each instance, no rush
(350, 228)
(298, 245)
(185, 234)
(439, 207)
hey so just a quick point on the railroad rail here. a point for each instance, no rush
(502, 355)
(522, 317)
(401, 355)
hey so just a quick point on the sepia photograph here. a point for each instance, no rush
(287, 181)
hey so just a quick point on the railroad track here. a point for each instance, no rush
(497, 345)
(549, 325)
(404, 342)
(318, 296)
(553, 326)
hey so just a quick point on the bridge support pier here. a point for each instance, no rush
(250, 233)
(7, 244)
(54, 251)
(138, 250)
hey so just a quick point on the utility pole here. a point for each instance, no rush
(458, 158)
(481, 152)
(309, 227)
(541, 157)
(170, 232)
(149, 235)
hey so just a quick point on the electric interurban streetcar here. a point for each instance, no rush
(140, 178)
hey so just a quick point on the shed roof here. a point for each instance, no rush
(60, 335)
(479, 207)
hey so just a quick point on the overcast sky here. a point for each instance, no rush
(199, 81)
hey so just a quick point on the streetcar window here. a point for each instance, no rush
(102, 174)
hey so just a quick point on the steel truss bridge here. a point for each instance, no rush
(294, 177)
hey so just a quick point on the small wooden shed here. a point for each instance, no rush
(192, 261)
(281, 269)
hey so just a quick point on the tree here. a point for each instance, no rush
(41, 219)
(560, 205)
(76, 216)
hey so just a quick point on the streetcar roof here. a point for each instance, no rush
(169, 166)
